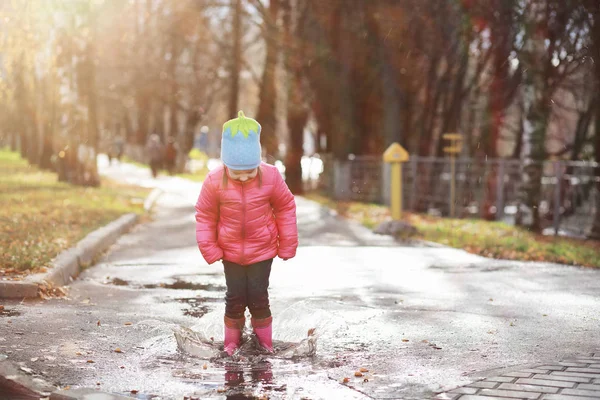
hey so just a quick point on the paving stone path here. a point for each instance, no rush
(572, 379)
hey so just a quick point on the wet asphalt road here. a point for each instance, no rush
(421, 319)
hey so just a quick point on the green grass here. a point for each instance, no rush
(489, 239)
(40, 217)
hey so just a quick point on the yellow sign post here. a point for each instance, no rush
(454, 149)
(395, 155)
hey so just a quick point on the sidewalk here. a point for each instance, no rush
(571, 379)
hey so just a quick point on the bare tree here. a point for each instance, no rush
(552, 54)
(268, 93)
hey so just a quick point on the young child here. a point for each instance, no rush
(245, 216)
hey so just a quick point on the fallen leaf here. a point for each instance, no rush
(122, 367)
(118, 350)
(405, 340)
(358, 374)
(1, 308)
(98, 322)
(90, 361)
(25, 369)
(78, 353)
(127, 323)
(221, 390)
(311, 331)
(133, 391)
(346, 380)
(424, 341)
(212, 339)
(204, 366)
(364, 370)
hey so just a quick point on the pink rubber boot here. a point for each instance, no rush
(233, 333)
(263, 328)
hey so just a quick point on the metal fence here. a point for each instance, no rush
(568, 192)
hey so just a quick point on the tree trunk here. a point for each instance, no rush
(538, 116)
(453, 109)
(518, 149)
(48, 118)
(583, 127)
(87, 93)
(297, 117)
(268, 94)
(172, 83)
(595, 232)
(297, 112)
(346, 135)
(236, 58)
(92, 177)
(20, 118)
(140, 80)
(432, 97)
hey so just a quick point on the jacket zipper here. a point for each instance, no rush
(243, 224)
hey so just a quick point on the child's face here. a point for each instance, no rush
(243, 175)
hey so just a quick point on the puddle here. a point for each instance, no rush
(197, 308)
(177, 284)
(119, 282)
(9, 313)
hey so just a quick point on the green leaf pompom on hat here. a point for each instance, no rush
(242, 125)
(240, 143)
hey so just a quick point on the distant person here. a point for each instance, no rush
(245, 216)
(117, 147)
(171, 151)
(154, 151)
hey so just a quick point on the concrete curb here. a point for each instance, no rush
(69, 263)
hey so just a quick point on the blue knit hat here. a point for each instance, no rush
(240, 143)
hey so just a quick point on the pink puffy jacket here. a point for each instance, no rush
(246, 222)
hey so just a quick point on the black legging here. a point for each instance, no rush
(247, 286)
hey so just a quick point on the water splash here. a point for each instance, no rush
(196, 344)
